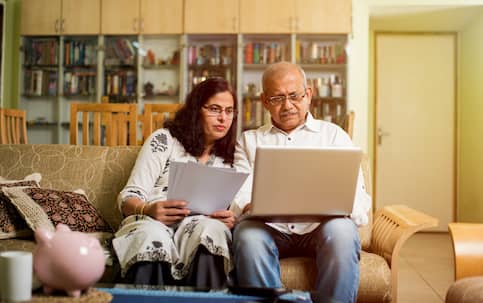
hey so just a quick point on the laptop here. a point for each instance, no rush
(304, 184)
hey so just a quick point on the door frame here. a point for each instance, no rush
(456, 111)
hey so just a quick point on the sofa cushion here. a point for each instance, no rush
(11, 222)
(49, 207)
(375, 276)
(101, 171)
(467, 290)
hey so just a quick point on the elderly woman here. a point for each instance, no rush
(158, 241)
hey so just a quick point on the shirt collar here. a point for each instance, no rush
(310, 124)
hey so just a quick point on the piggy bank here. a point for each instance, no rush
(67, 260)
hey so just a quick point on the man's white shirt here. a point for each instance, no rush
(311, 133)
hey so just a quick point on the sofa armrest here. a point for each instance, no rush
(393, 225)
(468, 249)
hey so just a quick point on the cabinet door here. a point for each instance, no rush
(161, 17)
(211, 16)
(120, 17)
(40, 17)
(266, 16)
(81, 17)
(323, 16)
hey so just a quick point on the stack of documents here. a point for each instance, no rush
(205, 188)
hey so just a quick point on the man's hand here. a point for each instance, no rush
(225, 216)
(167, 212)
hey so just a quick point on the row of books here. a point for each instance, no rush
(264, 53)
(209, 54)
(120, 51)
(80, 83)
(320, 52)
(41, 52)
(253, 114)
(40, 83)
(120, 83)
(80, 53)
(328, 111)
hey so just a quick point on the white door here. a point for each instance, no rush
(415, 123)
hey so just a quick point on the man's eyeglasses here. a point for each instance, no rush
(215, 110)
(294, 98)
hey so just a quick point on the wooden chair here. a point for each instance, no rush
(349, 123)
(112, 124)
(13, 126)
(154, 116)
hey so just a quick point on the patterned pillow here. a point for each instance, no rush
(48, 207)
(12, 223)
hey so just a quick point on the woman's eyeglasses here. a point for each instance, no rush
(215, 110)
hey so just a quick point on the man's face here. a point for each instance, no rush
(292, 111)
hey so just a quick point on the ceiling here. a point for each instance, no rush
(434, 18)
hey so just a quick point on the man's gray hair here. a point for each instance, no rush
(279, 65)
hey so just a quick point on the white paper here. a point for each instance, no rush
(205, 188)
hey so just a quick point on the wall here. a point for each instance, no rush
(10, 91)
(470, 61)
(471, 124)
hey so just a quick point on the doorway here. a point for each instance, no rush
(415, 122)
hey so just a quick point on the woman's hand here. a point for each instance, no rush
(225, 216)
(247, 208)
(167, 212)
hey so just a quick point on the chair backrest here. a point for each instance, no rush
(154, 116)
(13, 126)
(112, 124)
(349, 123)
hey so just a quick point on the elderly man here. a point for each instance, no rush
(333, 242)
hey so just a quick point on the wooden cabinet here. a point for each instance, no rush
(211, 16)
(81, 17)
(161, 17)
(266, 16)
(120, 17)
(60, 17)
(323, 16)
(295, 16)
(126, 17)
(40, 17)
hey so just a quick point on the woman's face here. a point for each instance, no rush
(217, 116)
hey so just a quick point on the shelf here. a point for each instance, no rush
(160, 97)
(332, 99)
(34, 123)
(43, 97)
(316, 66)
(161, 67)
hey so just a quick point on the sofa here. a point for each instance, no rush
(102, 172)
(467, 239)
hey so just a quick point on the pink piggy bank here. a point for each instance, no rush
(67, 260)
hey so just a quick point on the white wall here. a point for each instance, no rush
(359, 69)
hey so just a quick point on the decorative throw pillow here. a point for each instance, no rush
(48, 207)
(12, 223)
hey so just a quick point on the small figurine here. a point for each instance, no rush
(67, 260)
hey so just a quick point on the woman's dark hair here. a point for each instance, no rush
(187, 124)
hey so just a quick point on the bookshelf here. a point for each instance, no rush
(163, 69)
(323, 59)
(160, 75)
(39, 87)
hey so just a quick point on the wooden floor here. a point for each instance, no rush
(426, 268)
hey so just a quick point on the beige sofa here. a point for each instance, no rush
(467, 239)
(103, 171)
